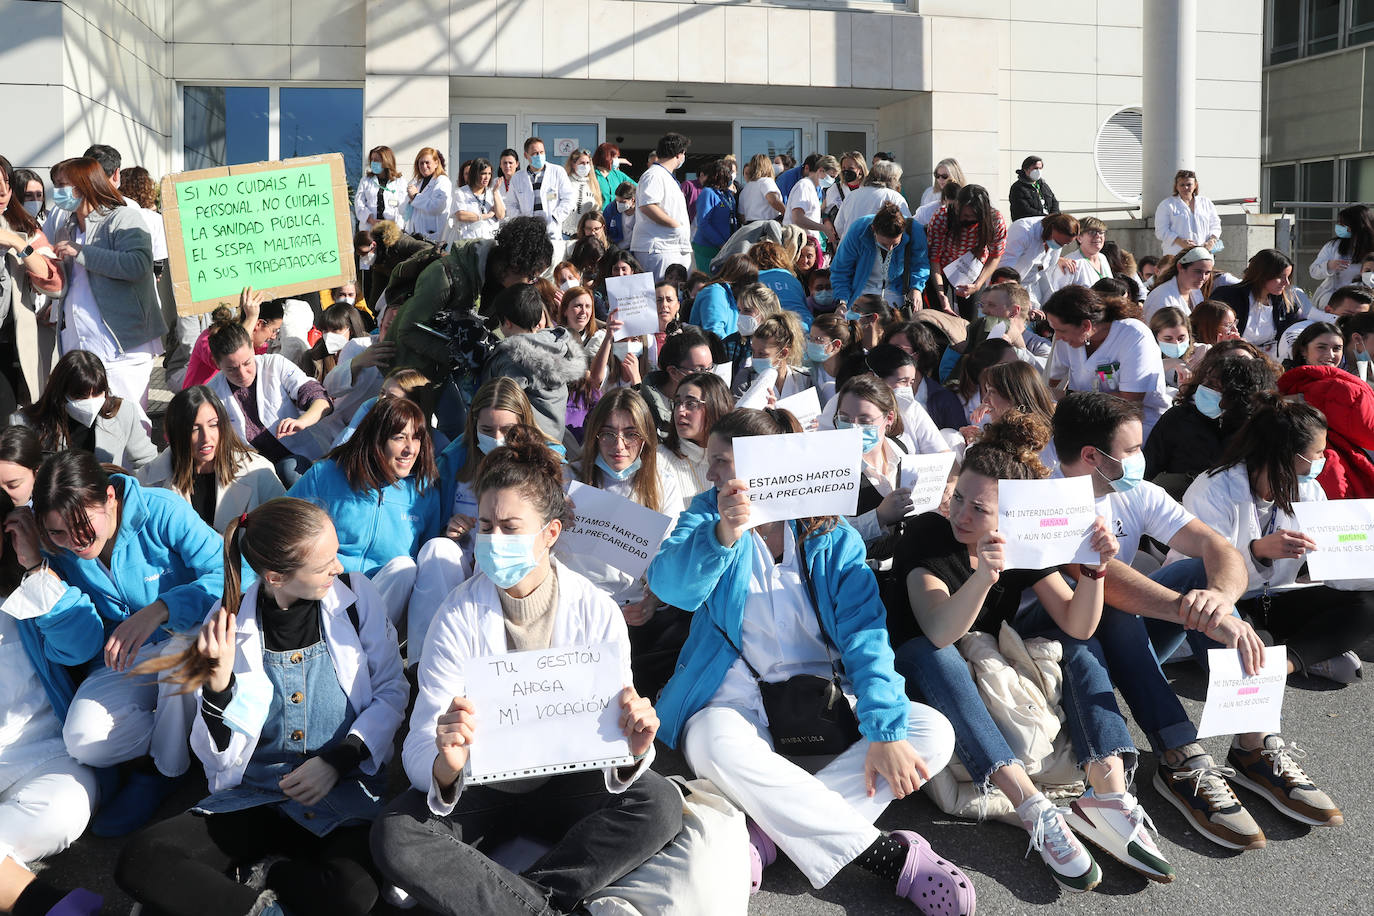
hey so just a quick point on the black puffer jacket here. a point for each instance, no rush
(1031, 198)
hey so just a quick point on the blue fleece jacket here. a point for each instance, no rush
(791, 296)
(374, 526)
(715, 215)
(854, 260)
(162, 551)
(71, 634)
(714, 310)
(693, 571)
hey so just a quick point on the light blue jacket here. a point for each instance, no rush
(70, 634)
(714, 310)
(451, 459)
(791, 296)
(693, 571)
(374, 526)
(162, 551)
(854, 260)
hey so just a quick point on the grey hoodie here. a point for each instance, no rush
(544, 363)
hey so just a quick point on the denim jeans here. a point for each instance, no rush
(1096, 726)
(596, 838)
(940, 678)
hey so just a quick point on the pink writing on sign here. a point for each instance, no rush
(1053, 522)
(1247, 691)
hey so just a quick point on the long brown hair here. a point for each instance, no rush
(500, 393)
(745, 421)
(78, 374)
(276, 536)
(362, 458)
(645, 489)
(14, 213)
(88, 179)
(715, 395)
(231, 454)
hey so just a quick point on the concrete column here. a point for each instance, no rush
(1170, 98)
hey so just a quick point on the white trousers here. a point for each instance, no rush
(44, 812)
(823, 821)
(655, 262)
(395, 581)
(118, 716)
(444, 564)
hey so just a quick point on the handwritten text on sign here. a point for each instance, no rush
(1046, 522)
(1237, 704)
(800, 475)
(1344, 532)
(544, 712)
(926, 476)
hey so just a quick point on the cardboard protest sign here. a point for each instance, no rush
(799, 475)
(612, 529)
(804, 405)
(631, 299)
(1344, 532)
(1237, 704)
(927, 476)
(1046, 522)
(280, 227)
(544, 712)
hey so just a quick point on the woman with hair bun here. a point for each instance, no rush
(958, 582)
(601, 824)
(300, 692)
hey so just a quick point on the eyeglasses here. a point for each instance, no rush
(1097, 233)
(611, 436)
(692, 370)
(689, 404)
(857, 421)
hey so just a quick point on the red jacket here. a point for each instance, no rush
(1348, 404)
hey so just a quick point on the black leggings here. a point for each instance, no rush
(1315, 623)
(181, 866)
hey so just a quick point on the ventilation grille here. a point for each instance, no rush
(1119, 152)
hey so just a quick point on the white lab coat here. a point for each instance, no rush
(556, 193)
(430, 208)
(1332, 281)
(366, 660)
(1173, 220)
(471, 625)
(278, 382)
(365, 200)
(255, 482)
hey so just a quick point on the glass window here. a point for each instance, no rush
(1359, 180)
(1283, 185)
(1285, 30)
(315, 121)
(839, 142)
(1323, 25)
(1318, 185)
(771, 141)
(1361, 22)
(225, 125)
(476, 138)
(561, 139)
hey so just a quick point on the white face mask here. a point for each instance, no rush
(365, 262)
(1367, 278)
(85, 410)
(568, 284)
(334, 342)
(1034, 174)
(747, 324)
(904, 395)
(623, 206)
(624, 348)
(38, 594)
(346, 300)
(583, 170)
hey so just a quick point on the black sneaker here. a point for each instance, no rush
(1200, 791)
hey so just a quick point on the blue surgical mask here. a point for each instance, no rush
(760, 364)
(252, 700)
(852, 315)
(1174, 350)
(1313, 472)
(827, 182)
(375, 168)
(537, 161)
(815, 352)
(488, 444)
(33, 206)
(64, 198)
(1362, 356)
(1052, 245)
(618, 475)
(824, 297)
(1207, 401)
(872, 435)
(1342, 232)
(506, 558)
(1132, 472)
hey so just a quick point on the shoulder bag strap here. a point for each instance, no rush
(835, 667)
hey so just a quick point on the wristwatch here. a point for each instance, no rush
(26, 251)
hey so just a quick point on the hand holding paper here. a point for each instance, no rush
(1047, 522)
(632, 298)
(1342, 536)
(639, 721)
(453, 734)
(800, 475)
(926, 476)
(1237, 703)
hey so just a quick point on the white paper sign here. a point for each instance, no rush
(926, 476)
(804, 405)
(998, 329)
(1344, 532)
(964, 271)
(612, 529)
(545, 712)
(755, 397)
(725, 371)
(1237, 704)
(1046, 522)
(632, 300)
(799, 475)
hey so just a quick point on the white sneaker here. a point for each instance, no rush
(1118, 826)
(1069, 861)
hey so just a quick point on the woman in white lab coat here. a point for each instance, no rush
(381, 181)
(1187, 219)
(431, 195)
(1338, 262)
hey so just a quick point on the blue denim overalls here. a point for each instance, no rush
(309, 713)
